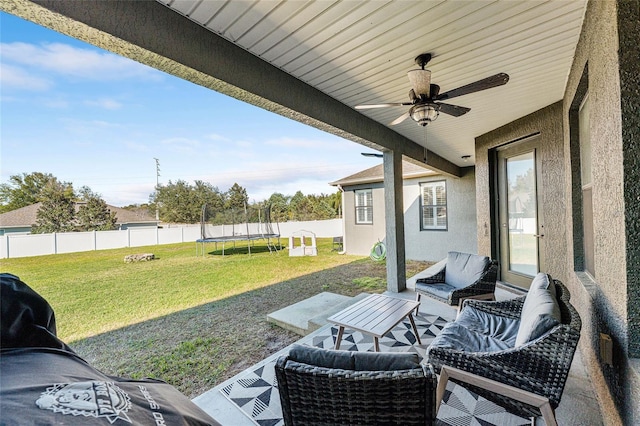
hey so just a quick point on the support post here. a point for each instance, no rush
(394, 222)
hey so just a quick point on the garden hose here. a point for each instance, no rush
(378, 252)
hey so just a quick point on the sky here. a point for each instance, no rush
(96, 119)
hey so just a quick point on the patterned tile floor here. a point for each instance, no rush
(579, 405)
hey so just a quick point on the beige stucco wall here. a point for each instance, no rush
(419, 245)
(359, 239)
(461, 221)
(605, 302)
(552, 198)
(602, 301)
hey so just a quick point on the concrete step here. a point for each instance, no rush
(321, 320)
(310, 314)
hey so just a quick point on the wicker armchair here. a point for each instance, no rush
(526, 380)
(463, 276)
(316, 395)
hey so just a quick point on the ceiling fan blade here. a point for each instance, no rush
(400, 119)
(382, 105)
(454, 110)
(486, 83)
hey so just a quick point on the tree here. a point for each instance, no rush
(279, 207)
(321, 208)
(57, 212)
(236, 197)
(300, 207)
(335, 201)
(27, 189)
(95, 215)
(182, 203)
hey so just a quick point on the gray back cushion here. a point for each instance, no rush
(359, 361)
(389, 361)
(464, 269)
(540, 312)
(321, 357)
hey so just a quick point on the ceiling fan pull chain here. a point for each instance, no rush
(426, 150)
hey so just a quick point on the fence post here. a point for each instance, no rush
(55, 242)
(128, 237)
(95, 240)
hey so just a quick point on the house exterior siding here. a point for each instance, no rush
(431, 245)
(360, 238)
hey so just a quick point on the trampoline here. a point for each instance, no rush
(233, 225)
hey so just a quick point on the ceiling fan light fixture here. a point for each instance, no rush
(424, 114)
(421, 82)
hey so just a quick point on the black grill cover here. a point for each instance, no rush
(42, 381)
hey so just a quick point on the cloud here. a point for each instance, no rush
(217, 137)
(180, 144)
(56, 103)
(18, 78)
(288, 142)
(136, 146)
(105, 103)
(71, 61)
(258, 179)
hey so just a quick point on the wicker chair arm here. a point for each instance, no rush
(506, 308)
(437, 277)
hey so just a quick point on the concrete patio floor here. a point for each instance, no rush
(578, 406)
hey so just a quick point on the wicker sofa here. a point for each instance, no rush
(516, 353)
(322, 386)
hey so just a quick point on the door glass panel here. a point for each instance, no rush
(521, 211)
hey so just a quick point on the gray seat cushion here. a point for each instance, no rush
(540, 311)
(440, 290)
(494, 326)
(463, 269)
(458, 337)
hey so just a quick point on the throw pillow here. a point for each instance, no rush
(540, 312)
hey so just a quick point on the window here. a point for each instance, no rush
(587, 185)
(364, 206)
(434, 205)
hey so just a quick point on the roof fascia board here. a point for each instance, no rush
(151, 33)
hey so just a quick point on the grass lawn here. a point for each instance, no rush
(192, 321)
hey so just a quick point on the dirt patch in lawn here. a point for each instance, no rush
(198, 348)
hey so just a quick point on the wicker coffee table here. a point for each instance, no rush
(375, 315)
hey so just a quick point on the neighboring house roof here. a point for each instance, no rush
(376, 174)
(26, 216)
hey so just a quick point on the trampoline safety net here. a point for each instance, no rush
(240, 224)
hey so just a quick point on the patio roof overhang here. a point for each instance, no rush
(313, 61)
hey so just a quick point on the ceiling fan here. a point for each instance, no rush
(425, 97)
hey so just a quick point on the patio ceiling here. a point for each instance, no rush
(359, 52)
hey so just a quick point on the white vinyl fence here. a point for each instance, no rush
(12, 246)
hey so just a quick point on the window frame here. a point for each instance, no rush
(434, 227)
(367, 208)
(586, 183)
